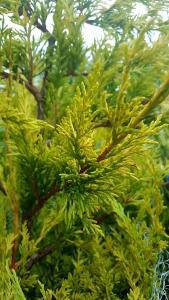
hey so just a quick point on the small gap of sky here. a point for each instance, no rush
(90, 33)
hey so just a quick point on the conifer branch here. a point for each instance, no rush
(30, 12)
(14, 253)
(159, 96)
(31, 88)
(102, 156)
(2, 188)
(106, 124)
(100, 219)
(49, 249)
(74, 74)
(16, 232)
(38, 256)
(51, 43)
(41, 202)
(35, 191)
(41, 27)
(50, 49)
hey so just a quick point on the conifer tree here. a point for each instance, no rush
(80, 180)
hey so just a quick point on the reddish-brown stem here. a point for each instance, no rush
(35, 210)
(100, 219)
(2, 188)
(32, 89)
(49, 249)
(35, 191)
(15, 243)
(38, 256)
(102, 156)
(14, 252)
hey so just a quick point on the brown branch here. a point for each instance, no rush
(16, 230)
(14, 253)
(160, 95)
(102, 156)
(35, 210)
(49, 51)
(15, 208)
(38, 256)
(32, 89)
(2, 188)
(41, 27)
(49, 249)
(73, 73)
(30, 12)
(106, 124)
(100, 219)
(35, 191)
(51, 41)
